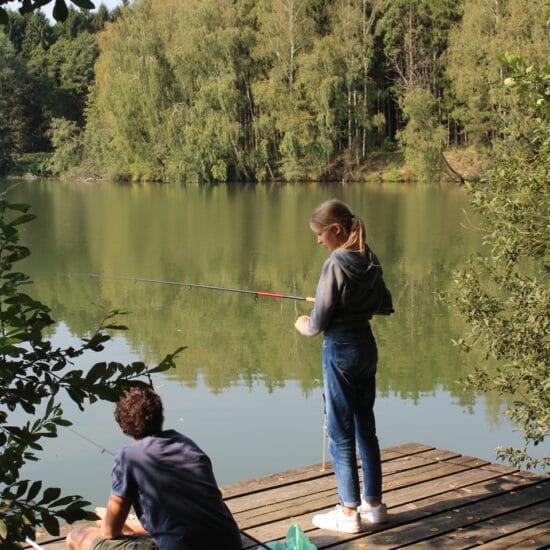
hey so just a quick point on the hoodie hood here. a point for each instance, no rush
(360, 286)
(363, 270)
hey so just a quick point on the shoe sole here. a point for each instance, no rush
(370, 522)
(349, 531)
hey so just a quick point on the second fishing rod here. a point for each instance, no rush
(257, 293)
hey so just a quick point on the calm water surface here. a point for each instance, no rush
(247, 388)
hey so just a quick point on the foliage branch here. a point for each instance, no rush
(503, 295)
(34, 374)
(60, 10)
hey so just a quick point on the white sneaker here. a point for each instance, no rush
(373, 514)
(337, 520)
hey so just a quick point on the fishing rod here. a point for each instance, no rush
(256, 293)
(90, 440)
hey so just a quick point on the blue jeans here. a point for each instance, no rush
(349, 374)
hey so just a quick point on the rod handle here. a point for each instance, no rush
(310, 299)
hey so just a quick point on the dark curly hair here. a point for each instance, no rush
(139, 413)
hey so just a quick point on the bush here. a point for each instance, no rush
(423, 140)
(35, 164)
(32, 375)
(68, 143)
(503, 295)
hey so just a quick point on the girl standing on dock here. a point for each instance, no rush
(350, 291)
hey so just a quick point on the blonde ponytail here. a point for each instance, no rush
(337, 212)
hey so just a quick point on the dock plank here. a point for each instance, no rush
(435, 511)
(281, 479)
(456, 528)
(534, 537)
(480, 533)
(324, 486)
(436, 499)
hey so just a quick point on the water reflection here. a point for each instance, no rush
(254, 237)
(247, 374)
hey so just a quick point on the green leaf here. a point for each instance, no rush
(4, 20)
(49, 406)
(34, 490)
(60, 11)
(62, 422)
(115, 326)
(25, 218)
(20, 206)
(51, 493)
(21, 489)
(49, 522)
(84, 4)
(63, 501)
(73, 513)
(97, 371)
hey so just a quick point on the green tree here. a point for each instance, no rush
(212, 135)
(68, 145)
(323, 83)
(168, 99)
(415, 37)
(133, 91)
(38, 35)
(503, 294)
(423, 139)
(353, 26)
(15, 31)
(283, 122)
(33, 374)
(486, 30)
(6, 160)
(8, 84)
(55, 71)
(70, 69)
(80, 21)
(37, 86)
(334, 80)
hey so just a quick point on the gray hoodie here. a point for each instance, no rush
(350, 291)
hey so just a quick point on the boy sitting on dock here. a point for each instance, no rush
(169, 482)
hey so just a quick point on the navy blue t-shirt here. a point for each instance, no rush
(170, 482)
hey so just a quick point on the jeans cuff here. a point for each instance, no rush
(353, 504)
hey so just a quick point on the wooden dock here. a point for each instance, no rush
(435, 499)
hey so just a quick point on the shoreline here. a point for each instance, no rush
(458, 165)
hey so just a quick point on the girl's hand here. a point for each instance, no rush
(300, 322)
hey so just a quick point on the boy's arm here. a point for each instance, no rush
(114, 520)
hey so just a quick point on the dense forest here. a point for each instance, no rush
(217, 90)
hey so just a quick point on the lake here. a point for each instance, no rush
(248, 386)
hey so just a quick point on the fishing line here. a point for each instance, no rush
(105, 450)
(325, 425)
(256, 293)
(90, 440)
